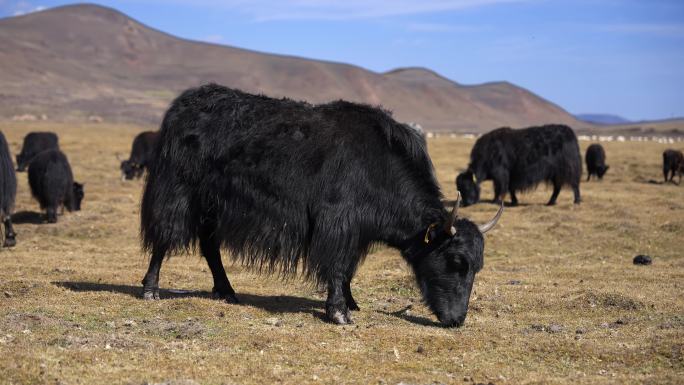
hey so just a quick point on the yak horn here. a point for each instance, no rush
(488, 226)
(454, 214)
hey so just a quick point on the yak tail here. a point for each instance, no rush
(166, 220)
(8, 180)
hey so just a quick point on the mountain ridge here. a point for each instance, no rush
(85, 59)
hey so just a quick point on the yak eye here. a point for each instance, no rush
(458, 264)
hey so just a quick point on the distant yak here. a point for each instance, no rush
(8, 191)
(518, 160)
(34, 144)
(596, 161)
(52, 183)
(673, 163)
(141, 152)
(283, 184)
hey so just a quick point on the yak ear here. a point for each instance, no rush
(449, 225)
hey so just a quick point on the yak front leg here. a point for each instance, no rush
(10, 235)
(336, 309)
(351, 303)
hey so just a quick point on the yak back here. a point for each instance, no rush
(50, 178)
(282, 180)
(528, 156)
(143, 146)
(8, 180)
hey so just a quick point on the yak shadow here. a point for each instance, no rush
(451, 202)
(412, 318)
(32, 217)
(272, 304)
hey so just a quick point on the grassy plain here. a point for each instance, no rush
(558, 301)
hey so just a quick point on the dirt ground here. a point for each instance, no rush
(558, 301)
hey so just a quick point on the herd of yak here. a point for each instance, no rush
(286, 185)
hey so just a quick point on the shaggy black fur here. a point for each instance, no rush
(8, 191)
(35, 143)
(52, 183)
(141, 153)
(283, 184)
(673, 163)
(596, 161)
(518, 160)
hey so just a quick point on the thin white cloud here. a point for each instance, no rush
(24, 7)
(438, 27)
(267, 10)
(676, 30)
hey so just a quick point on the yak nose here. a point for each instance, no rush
(453, 322)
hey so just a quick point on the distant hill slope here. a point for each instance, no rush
(80, 60)
(602, 119)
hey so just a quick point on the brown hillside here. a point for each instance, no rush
(75, 61)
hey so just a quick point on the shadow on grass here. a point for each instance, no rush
(450, 202)
(31, 217)
(272, 304)
(412, 318)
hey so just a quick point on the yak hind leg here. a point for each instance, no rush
(10, 235)
(210, 249)
(554, 195)
(576, 193)
(51, 212)
(514, 199)
(151, 280)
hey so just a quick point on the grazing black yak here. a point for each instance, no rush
(673, 163)
(279, 183)
(596, 161)
(52, 183)
(141, 151)
(518, 160)
(8, 191)
(35, 143)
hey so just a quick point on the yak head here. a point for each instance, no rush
(445, 267)
(130, 170)
(601, 170)
(468, 187)
(77, 195)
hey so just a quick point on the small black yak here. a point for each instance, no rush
(596, 161)
(52, 183)
(34, 144)
(141, 153)
(673, 163)
(8, 192)
(518, 160)
(279, 183)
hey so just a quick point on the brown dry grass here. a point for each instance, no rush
(559, 300)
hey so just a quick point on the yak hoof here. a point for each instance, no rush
(9, 242)
(224, 295)
(150, 294)
(551, 203)
(339, 317)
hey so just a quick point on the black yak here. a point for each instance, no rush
(141, 151)
(673, 163)
(35, 143)
(8, 192)
(52, 183)
(283, 184)
(596, 161)
(518, 160)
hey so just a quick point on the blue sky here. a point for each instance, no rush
(623, 57)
